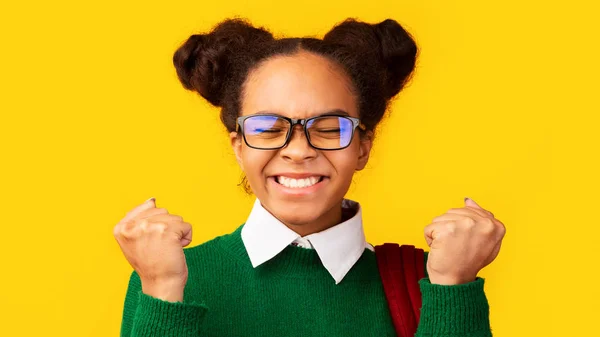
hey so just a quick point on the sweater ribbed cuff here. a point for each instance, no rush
(155, 317)
(455, 310)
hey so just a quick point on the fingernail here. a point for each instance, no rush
(466, 198)
(153, 199)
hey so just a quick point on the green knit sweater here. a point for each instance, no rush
(292, 295)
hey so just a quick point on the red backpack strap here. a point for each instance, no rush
(391, 268)
(414, 270)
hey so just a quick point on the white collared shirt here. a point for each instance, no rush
(338, 247)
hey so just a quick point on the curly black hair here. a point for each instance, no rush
(378, 58)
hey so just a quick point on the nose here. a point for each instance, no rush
(298, 149)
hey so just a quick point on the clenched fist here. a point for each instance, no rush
(152, 241)
(462, 241)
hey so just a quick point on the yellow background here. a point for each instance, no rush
(503, 108)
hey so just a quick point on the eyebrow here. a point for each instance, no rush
(336, 112)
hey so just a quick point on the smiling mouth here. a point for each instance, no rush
(298, 183)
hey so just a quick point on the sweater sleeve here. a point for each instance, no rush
(146, 316)
(453, 311)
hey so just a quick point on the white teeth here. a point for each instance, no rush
(297, 183)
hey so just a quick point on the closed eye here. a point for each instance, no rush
(329, 130)
(267, 130)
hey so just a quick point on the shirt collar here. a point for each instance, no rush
(338, 247)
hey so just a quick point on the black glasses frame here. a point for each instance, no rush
(302, 121)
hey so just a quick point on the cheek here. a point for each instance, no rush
(344, 161)
(255, 162)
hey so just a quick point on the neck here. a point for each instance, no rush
(331, 218)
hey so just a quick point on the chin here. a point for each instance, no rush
(297, 213)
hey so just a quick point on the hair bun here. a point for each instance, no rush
(203, 61)
(387, 45)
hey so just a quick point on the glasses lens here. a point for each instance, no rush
(330, 132)
(265, 131)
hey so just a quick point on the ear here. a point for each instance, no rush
(366, 143)
(236, 144)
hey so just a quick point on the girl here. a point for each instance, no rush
(301, 113)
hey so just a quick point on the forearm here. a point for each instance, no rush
(156, 317)
(165, 315)
(454, 310)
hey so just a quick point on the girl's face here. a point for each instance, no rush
(302, 85)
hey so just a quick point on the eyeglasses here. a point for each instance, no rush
(324, 132)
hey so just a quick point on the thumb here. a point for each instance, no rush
(471, 203)
(150, 203)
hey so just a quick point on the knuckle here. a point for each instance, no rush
(159, 227)
(469, 222)
(143, 224)
(451, 227)
(488, 227)
(128, 230)
(501, 229)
